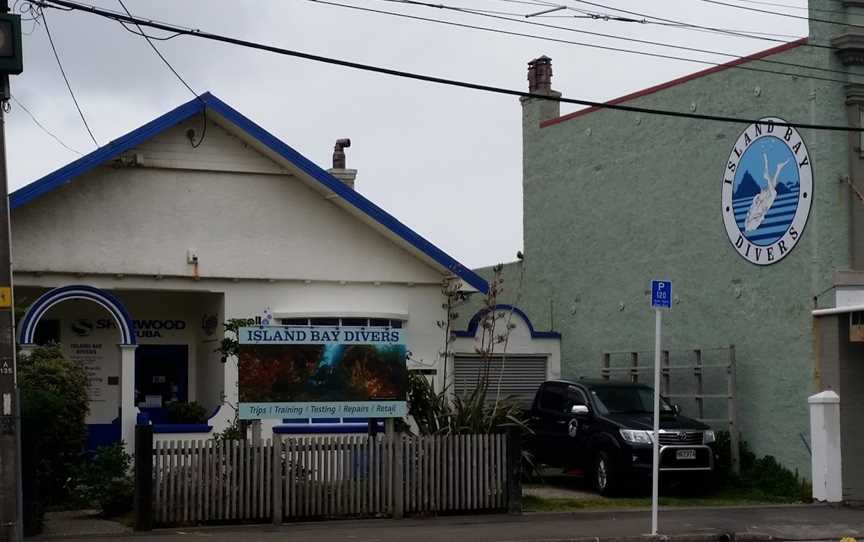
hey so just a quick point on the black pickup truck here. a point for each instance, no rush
(603, 429)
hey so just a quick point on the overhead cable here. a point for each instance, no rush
(42, 126)
(66, 79)
(603, 35)
(781, 14)
(428, 78)
(692, 25)
(177, 75)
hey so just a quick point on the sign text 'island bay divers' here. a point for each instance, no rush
(767, 191)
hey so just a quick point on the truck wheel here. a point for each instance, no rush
(605, 477)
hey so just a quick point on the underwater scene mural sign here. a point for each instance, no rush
(322, 372)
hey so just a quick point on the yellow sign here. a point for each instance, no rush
(5, 297)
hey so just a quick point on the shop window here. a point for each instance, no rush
(295, 321)
(355, 322)
(325, 321)
(351, 321)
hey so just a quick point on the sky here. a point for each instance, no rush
(445, 161)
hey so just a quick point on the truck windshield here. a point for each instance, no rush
(627, 399)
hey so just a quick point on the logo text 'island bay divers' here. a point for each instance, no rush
(767, 191)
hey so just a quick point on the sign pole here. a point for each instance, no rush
(655, 467)
(661, 299)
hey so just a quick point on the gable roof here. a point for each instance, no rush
(678, 81)
(265, 141)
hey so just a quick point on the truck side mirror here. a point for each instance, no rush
(579, 410)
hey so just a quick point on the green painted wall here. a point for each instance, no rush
(613, 199)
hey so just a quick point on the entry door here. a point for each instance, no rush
(161, 375)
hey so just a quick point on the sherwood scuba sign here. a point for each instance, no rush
(143, 328)
(767, 191)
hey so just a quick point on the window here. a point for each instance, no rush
(351, 321)
(552, 398)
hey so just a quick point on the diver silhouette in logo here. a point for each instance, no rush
(763, 201)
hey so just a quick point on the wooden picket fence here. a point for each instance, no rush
(327, 477)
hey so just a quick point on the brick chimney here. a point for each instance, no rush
(540, 75)
(339, 170)
(536, 110)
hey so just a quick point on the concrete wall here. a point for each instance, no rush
(614, 199)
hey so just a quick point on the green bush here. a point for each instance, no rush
(764, 476)
(54, 405)
(177, 412)
(107, 480)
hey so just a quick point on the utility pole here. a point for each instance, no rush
(11, 526)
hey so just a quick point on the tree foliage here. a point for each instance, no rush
(54, 406)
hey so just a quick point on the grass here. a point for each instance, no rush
(724, 497)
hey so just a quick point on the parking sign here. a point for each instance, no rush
(661, 294)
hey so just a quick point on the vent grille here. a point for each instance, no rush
(520, 376)
(685, 438)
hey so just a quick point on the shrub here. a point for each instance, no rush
(108, 481)
(177, 412)
(762, 475)
(54, 405)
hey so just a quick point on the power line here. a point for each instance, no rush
(423, 77)
(789, 6)
(789, 15)
(696, 26)
(42, 127)
(170, 67)
(613, 36)
(63, 72)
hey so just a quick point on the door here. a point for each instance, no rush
(161, 376)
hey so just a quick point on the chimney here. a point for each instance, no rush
(536, 110)
(540, 75)
(339, 170)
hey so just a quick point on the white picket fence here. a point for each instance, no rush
(340, 476)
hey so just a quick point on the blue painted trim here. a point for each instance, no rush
(136, 137)
(475, 321)
(181, 428)
(77, 291)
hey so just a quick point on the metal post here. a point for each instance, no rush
(697, 372)
(143, 477)
(10, 423)
(733, 415)
(655, 467)
(607, 363)
(634, 367)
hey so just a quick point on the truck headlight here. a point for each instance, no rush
(636, 437)
(708, 437)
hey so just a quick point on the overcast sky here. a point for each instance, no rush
(445, 161)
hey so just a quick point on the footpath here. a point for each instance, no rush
(797, 523)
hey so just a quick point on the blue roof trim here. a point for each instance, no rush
(67, 173)
(475, 321)
(132, 139)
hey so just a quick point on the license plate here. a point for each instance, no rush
(685, 454)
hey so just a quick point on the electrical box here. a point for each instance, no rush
(11, 57)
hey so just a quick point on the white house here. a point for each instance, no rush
(133, 256)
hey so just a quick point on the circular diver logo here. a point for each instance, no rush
(767, 191)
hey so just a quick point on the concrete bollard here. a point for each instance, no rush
(825, 443)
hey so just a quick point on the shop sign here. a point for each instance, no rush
(767, 191)
(322, 372)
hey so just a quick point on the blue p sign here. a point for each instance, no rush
(661, 294)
